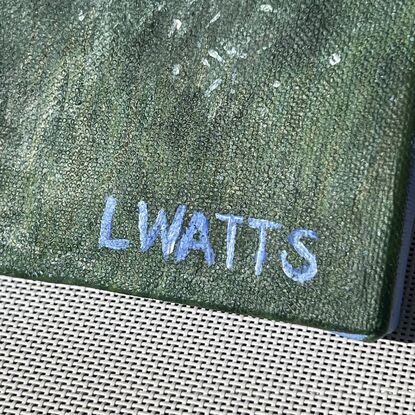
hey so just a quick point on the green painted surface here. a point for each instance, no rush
(297, 112)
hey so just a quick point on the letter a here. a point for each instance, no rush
(198, 223)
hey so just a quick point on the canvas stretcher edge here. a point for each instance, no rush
(408, 227)
(406, 239)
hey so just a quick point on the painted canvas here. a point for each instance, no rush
(246, 156)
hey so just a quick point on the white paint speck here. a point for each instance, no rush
(175, 27)
(206, 62)
(176, 69)
(214, 18)
(233, 51)
(81, 16)
(230, 50)
(215, 55)
(267, 8)
(276, 84)
(334, 59)
(214, 85)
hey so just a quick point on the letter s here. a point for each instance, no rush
(305, 272)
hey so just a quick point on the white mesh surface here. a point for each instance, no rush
(69, 350)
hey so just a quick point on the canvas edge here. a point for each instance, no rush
(406, 239)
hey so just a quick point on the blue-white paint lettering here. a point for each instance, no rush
(263, 226)
(305, 272)
(233, 221)
(105, 239)
(196, 237)
(168, 234)
(198, 224)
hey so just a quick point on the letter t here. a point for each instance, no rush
(231, 235)
(262, 225)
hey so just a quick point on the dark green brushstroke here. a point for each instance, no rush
(90, 107)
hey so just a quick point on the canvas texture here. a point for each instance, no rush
(288, 116)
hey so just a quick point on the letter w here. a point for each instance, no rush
(168, 234)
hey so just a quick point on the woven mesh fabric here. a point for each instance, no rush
(73, 350)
